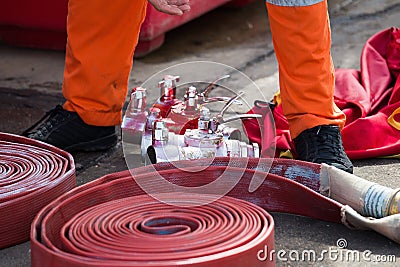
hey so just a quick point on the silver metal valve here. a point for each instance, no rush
(211, 138)
(160, 132)
(168, 86)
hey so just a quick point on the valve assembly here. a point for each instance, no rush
(174, 129)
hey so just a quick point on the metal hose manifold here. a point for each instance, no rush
(32, 174)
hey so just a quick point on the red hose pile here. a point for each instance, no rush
(140, 229)
(32, 174)
(111, 221)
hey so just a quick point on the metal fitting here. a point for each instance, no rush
(160, 132)
(168, 86)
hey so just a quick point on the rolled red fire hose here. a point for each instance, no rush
(111, 221)
(32, 174)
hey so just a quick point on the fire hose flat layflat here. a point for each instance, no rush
(114, 221)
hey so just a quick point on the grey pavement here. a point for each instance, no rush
(30, 84)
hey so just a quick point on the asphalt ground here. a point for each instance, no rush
(30, 84)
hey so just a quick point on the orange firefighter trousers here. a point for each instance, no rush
(102, 37)
(302, 40)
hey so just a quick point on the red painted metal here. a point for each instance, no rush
(42, 24)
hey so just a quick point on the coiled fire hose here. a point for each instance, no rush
(111, 221)
(32, 174)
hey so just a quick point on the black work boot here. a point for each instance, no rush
(66, 130)
(323, 144)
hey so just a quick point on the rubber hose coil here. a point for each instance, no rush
(111, 221)
(32, 174)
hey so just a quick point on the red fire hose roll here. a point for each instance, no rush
(142, 231)
(32, 174)
(111, 221)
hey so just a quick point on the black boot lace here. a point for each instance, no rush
(53, 118)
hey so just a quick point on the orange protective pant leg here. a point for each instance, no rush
(102, 36)
(302, 40)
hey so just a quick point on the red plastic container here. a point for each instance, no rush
(42, 23)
